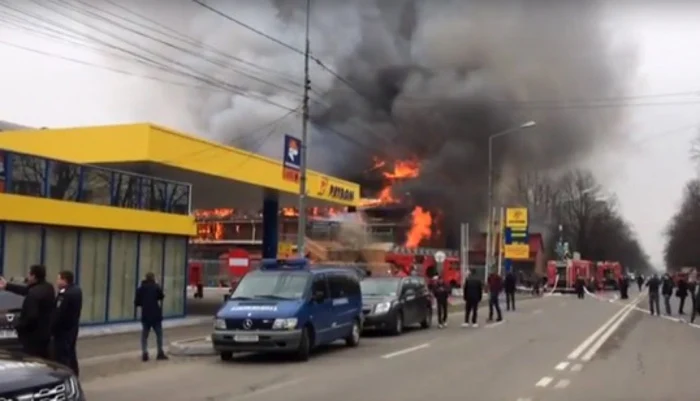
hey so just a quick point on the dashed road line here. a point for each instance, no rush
(544, 382)
(577, 367)
(405, 351)
(563, 383)
(562, 366)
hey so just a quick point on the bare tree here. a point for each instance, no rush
(683, 231)
(30, 174)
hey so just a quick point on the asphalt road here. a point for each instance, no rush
(554, 348)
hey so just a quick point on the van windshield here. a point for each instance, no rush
(274, 285)
(383, 287)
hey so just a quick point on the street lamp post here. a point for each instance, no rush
(487, 259)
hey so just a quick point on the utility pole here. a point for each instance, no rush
(301, 233)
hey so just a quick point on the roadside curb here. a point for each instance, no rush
(135, 327)
(199, 346)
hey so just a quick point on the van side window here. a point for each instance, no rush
(352, 285)
(336, 283)
(319, 285)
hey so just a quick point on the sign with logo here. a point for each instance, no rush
(516, 218)
(291, 164)
(341, 193)
(285, 250)
(517, 251)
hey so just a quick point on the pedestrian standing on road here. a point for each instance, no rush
(579, 287)
(624, 287)
(692, 288)
(472, 291)
(682, 294)
(654, 285)
(510, 291)
(495, 283)
(66, 321)
(34, 323)
(640, 282)
(149, 297)
(442, 292)
(667, 292)
(696, 306)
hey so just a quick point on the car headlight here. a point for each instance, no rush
(220, 324)
(285, 324)
(72, 388)
(383, 307)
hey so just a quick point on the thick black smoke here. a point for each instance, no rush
(437, 78)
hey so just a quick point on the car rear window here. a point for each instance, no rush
(10, 301)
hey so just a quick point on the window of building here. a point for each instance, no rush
(122, 276)
(158, 196)
(96, 186)
(64, 180)
(22, 249)
(28, 175)
(92, 277)
(3, 169)
(60, 250)
(127, 191)
(179, 198)
(150, 257)
(175, 275)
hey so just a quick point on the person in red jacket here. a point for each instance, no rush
(495, 283)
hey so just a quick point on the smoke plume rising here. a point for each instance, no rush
(435, 79)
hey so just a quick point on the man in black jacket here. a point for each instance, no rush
(473, 291)
(66, 320)
(149, 297)
(654, 285)
(667, 291)
(442, 292)
(510, 291)
(34, 323)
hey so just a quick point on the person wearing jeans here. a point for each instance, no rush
(149, 297)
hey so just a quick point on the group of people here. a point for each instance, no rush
(48, 324)
(664, 287)
(473, 292)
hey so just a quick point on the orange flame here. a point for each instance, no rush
(421, 223)
(401, 170)
(209, 231)
(289, 212)
(219, 214)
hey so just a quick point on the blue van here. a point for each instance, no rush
(287, 307)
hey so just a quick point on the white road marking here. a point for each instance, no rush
(588, 341)
(562, 366)
(524, 399)
(563, 383)
(537, 311)
(577, 368)
(610, 330)
(406, 351)
(544, 382)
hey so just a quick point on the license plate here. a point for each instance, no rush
(8, 334)
(246, 339)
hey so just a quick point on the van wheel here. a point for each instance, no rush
(353, 339)
(398, 325)
(226, 356)
(304, 350)
(428, 319)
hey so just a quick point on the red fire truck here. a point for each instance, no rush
(608, 275)
(561, 275)
(404, 259)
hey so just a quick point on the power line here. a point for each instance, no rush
(285, 45)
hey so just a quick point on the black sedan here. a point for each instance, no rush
(394, 303)
(27, 378)
(10, 307)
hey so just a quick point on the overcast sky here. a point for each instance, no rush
(647, 177)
